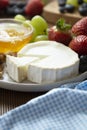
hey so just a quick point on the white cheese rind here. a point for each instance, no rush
(17, 67)
(51, 69)
(44, 49)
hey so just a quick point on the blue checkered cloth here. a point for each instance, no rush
(63, 108)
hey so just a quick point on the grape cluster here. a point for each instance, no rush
(71, 5)
(40, 30)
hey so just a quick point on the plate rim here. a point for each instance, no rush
(33, 87)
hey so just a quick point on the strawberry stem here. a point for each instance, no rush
(61, 25)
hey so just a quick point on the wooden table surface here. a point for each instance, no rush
(11, 99)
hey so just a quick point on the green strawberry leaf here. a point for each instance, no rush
(61, 25)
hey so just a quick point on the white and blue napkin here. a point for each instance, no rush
(63, 108)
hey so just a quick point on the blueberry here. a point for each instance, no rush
(18, 10)
(61, 2)
(10, 11)
(21, 4)
(83, 64)
(69, 8)
(84, 5)
(11, 4)
(80, 2)
(13, 10)
(62, 9)
(83, 9)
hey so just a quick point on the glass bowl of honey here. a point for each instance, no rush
(14, 35)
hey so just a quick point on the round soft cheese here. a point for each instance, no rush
(55, 62)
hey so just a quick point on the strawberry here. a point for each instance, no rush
(79, 44)
(34, 7)
(60, 32)
(80, 27)
(4, 3)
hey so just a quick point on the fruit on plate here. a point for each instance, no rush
(85, 1)
(60, 32)
(67, 5)
(34, 7)
(79, 44)
(41, 38)
(72, 2)
(15, 7)
(20, 18)
(83, 63)
(26, 22)
(4, 4)
(61, 2)
(40, 28)
(80, 27)
(80, 2)
(71, 6)
(25, 7)
(40, 24)
(83, 9)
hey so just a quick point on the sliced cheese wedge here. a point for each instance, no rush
(17, 67)
(46, 61)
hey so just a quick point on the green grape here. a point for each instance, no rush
(27, 23)
(39, 24)
(41, 38)
(72, 2)
(85, 1)
(34, 35)
(20, 18)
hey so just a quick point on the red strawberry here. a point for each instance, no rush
(4, 3)
(60, 32)
(79, 44)
(80, 27)
(34, 7)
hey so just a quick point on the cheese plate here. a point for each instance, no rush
(26, 86)
(45, 76)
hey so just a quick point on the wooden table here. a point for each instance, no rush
(11, 99)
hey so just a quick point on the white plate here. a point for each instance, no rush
(27, 86)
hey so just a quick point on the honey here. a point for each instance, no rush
(13, 36)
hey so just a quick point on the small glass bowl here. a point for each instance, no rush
(14, 35)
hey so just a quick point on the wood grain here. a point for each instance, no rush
(11, 99)
(51, 14)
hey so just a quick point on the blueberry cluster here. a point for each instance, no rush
(83, 63)
(13, 9)
(63, 7)
(83, 9)
(71, 6)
